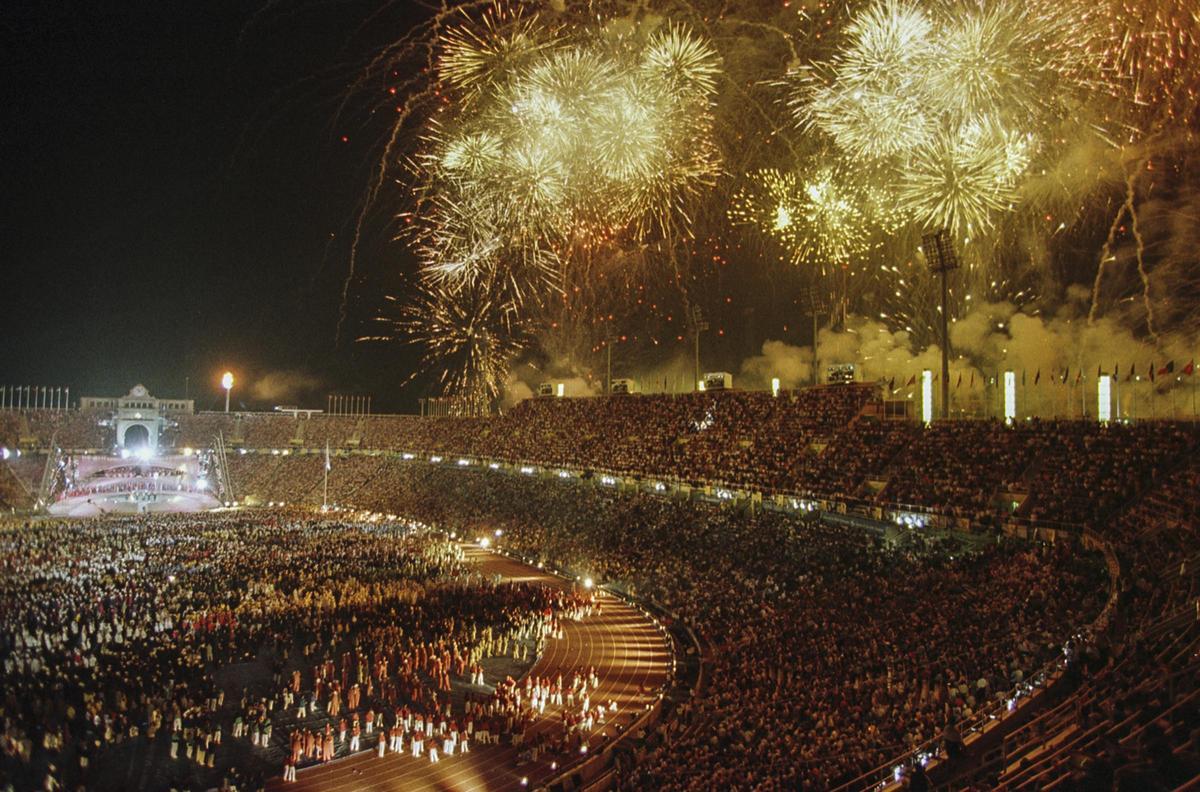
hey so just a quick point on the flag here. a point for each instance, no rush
(1190, 367)
(327, 465)
(1037, 376)
(911, 380)
(1167, 369)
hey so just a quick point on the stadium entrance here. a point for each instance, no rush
(137, 436)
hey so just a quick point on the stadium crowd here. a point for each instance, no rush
(823, 442)
(831, 649)
(189, 649)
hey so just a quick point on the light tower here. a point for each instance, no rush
(698, 327)
(940, 253)
(227, 384)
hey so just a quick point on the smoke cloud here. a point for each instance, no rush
(283, 385)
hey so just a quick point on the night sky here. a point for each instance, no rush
(178, 199)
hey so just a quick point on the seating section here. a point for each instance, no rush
(1132, 722)
(825, 442)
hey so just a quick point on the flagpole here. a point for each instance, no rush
(325, 494)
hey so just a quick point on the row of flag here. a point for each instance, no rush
(1152, 371)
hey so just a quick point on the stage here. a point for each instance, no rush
(132, 484)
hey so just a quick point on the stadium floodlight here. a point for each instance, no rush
(227, 384)
(775, 387)
(1010, 396)
(1104, 396)
(588, 583)
(926, 397)
(938, 247)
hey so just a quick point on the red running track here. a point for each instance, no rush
(629, 652)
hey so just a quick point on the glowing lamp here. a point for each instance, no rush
(1104, 397)
(926, 396)
(1010, 396)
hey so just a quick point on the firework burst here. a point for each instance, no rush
(965, 177)
(819, 217)
(470, 338)
(867, 99)
(957, 103)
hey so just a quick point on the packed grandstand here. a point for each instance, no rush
(862, 600)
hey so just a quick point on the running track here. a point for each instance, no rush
(627, 649)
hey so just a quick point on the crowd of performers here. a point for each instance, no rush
(195, 651)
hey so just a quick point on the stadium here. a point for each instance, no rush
(768, 590)
(600, 396)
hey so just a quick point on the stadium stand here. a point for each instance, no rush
(832, 657)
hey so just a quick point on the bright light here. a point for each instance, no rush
(608, 480)
(494, 465)
(464, 462)
(775, 386)
(144, 453)
(562, 389)
(1010, 396)
(187, 452)
(588, 583)
(202, 484)
(499, 533)
(926, 396)
(227, 380)
(435, 459)
(485, 542)
(124, 453)
(528, 471)
(700, 385)
(4, 453)
(1104, 394)
(407, 456)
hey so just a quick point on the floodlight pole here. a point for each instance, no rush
(816, 305)
(945, 345)
(608, 342)
(942, 257)
(698, 326)
(815, 377)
